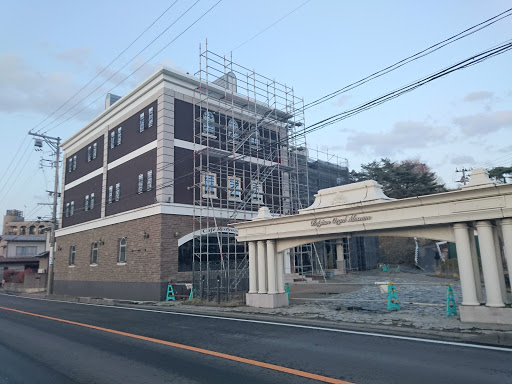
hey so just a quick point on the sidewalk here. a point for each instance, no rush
(353, 301)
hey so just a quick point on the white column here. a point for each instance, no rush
(499, 262)
(489, 264)
(271, 267)
(287, 263)
(506, 228)
(476, 266)
(467, 278)
(340, 259)
(262, 267)
(280, 272)
(253, 268)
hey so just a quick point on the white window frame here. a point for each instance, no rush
(94, 150)
(140, 187)
(112, 139)
(209, 188)
(121, 257)
(233, 131)
(118, 191)
(67, 209)
(150, 117)
(89, 153)
(119, 135)
(208, 118)
(72, 255)
(72, 208)
(70, 164)
(149, 185)
(110, 194)
(86, 204)
(235, 191)
(94, 253)
(91, 202)
(141, 122)
(74, 162)
(256, 193)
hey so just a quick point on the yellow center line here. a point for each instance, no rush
(256, 363)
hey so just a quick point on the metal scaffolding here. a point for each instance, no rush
(249, 151)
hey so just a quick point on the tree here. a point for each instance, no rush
(500, 174)
(400, 179)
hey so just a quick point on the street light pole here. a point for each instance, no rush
(54, 142)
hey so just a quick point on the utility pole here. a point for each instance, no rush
(54, 143)
(464, 179)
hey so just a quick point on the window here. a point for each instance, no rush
(72, 209)
(74, 162)
(91, 203)
(141, 122)
(118, 191)
(150, 117)
(41, 229)
(254, 140)
(70, 164)
(94, 150)
(119, 135)
(72, 254)
(67, 209)
(257, 189)
(110, 194)
(149, 186)
(122, 250)
(23, 230)
(94, 253)
(234, 188)
(32, 230)
(112, 139)
(233, 132)
(209, 183)
(89, 153)
(141, 183)
(26, 250)
(86, 205)
(208, 121)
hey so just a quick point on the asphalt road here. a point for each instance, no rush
(42, 350)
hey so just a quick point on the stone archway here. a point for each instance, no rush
(362, 209)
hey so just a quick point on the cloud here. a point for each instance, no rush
(477, 96)
(78, 56)
(463, 160)
(404, 135)
(484, 123)
(23, 89)
(342, 100)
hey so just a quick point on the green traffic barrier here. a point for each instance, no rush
(287, 290)
(393, 303)
(451, 309)
(170, 293)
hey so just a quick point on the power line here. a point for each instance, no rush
(115, 73)
(416, 56)
(151, 58)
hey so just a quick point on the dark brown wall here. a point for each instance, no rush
(83, 167)
(183, 177)
(131, 137)
(183, 117)
(77, 194)
(127, 175)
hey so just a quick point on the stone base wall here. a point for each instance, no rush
(142, 291)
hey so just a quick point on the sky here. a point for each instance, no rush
(49, 51)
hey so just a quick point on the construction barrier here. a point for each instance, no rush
(451, 309)
(393, 303)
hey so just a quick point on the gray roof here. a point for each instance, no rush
(23, 238)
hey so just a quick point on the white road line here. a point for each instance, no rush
(373, 334)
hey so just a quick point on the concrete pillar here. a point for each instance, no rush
(506, 228)
(476, 266)
(253, 268)
(271, 267)
(489, 264)
(499, 262)
(280, 272)
(467, 277)
(262, 267)
(340, 259)
(287, 263)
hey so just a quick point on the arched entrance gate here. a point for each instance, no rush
(362, 209)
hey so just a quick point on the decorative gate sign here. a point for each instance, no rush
(339, 220)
